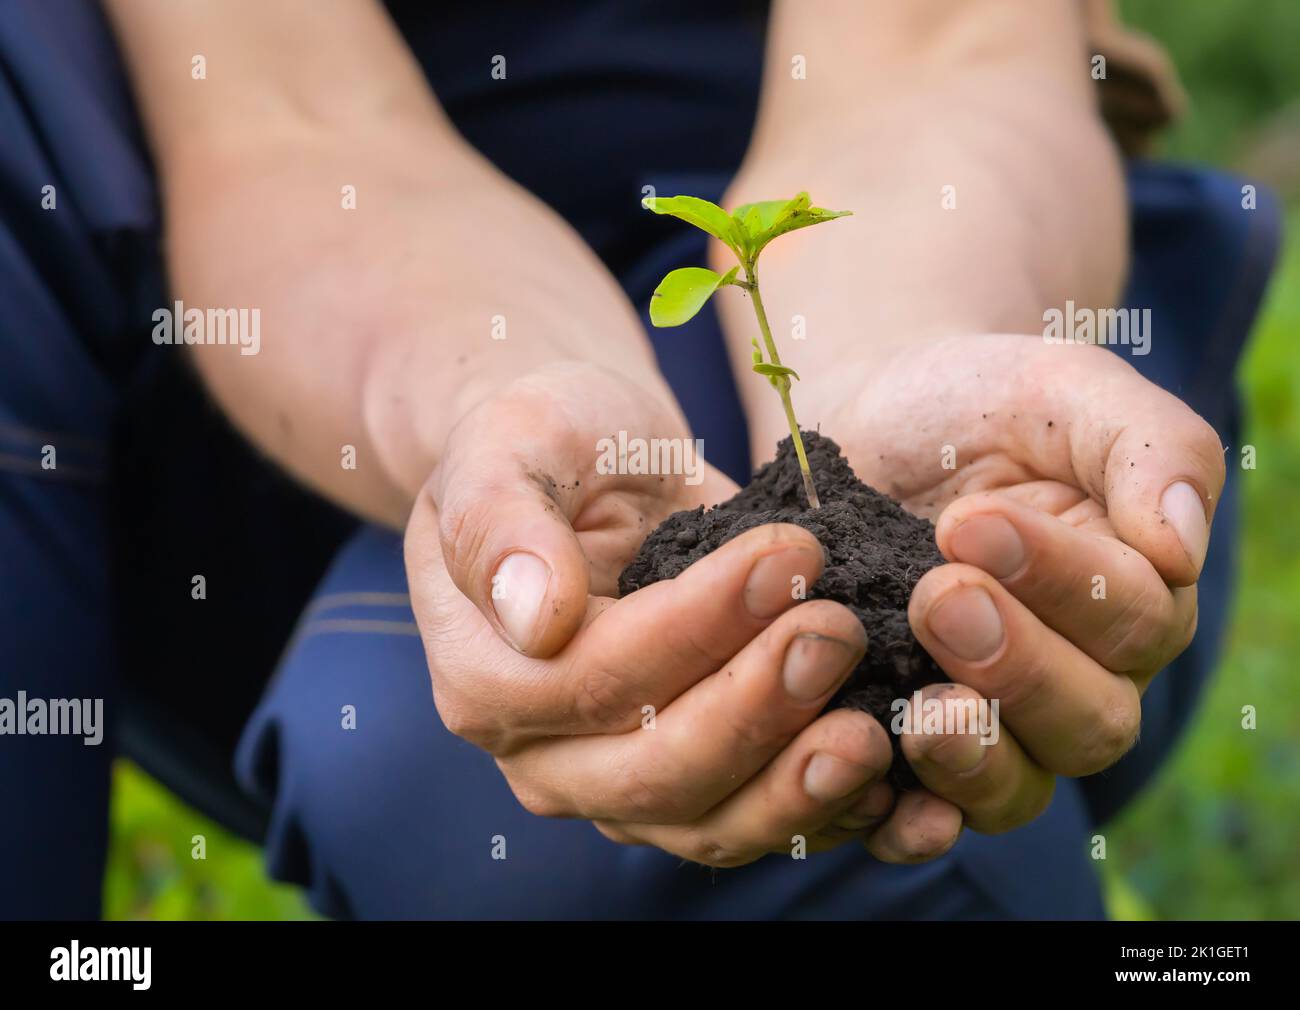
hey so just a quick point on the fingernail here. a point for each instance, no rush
(828, 777)
(875, 803)
(771, 586)
(967, 623)
(1183, 508)
(991, 543)
(959, 748)
(958, 753)
(518, 592)
(815, 664)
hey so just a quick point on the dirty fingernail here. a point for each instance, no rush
(518, 592)
(815, 664)
(967, 622)
(828, 777)
(991, 543)
(1183, 508)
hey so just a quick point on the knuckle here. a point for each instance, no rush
(706, 849)
(694, 644)
(1013, 684)
(1139, 631)
(469, 722)
(644, 801)
(1114, 732)
(463, 525)
(537, 801)
(601, 700)
(750, 729)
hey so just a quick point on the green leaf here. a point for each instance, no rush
(772, 371)
(702, 214)
(798, 205)
(683, 293)
(762, 222)
(798, 214)
(758, 217)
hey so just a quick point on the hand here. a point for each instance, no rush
(382, 322)
(1076, 521)
(684, 716)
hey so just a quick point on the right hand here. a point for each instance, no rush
(684, 716)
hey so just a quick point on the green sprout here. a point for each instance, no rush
(746, 232)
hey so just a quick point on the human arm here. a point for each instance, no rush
(923, 316)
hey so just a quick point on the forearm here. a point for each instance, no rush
(445, 283)
(298, 64)
(395, 331)
(900, 101)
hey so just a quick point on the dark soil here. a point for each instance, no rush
(875, 553)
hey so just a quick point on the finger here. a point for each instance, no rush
(1072, 716)
(649, 647)
(1155, 463)
(972, 764)
(922, 827)
(712, 739)
(519, 475)
(1098, 592)
(1047, 495)
(866, 811)
(631, 657)
(506, 539)
(825, 770)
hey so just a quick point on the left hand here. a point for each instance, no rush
(1076, 521)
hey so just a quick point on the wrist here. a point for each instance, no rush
(410, 412)
(262, 69)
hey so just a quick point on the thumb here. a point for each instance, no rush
(505, 532)
(1155, 464)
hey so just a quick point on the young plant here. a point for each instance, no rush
(746, 232)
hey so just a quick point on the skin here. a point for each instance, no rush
(1066, 455)
(375, 335)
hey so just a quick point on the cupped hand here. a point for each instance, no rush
(685, 716)
(1073, 500)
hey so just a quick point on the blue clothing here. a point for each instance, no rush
(396, 817)
(442, 864)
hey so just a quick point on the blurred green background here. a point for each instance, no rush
(1218, 834)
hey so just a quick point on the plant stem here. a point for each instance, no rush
(782, 385)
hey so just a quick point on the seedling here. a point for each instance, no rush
(746, 232)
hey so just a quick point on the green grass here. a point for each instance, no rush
(152, 872)
(1237, 62)
(1217, 835)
